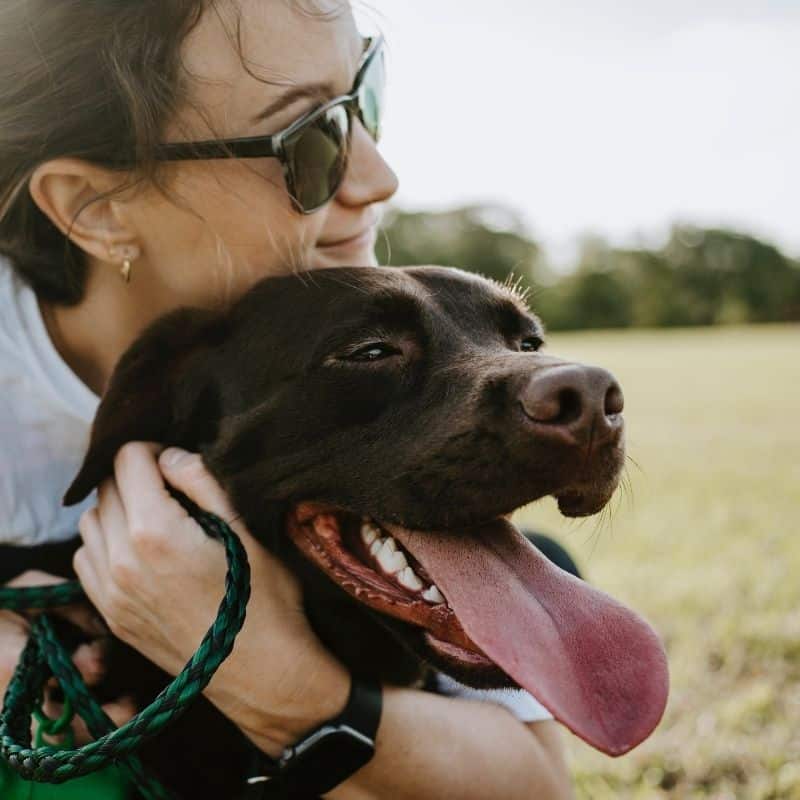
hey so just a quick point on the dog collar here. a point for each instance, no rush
(327, 755)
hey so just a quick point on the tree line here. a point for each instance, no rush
(701, 276)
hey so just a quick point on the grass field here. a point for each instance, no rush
(706, 545)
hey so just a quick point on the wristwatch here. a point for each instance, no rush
(327, 755)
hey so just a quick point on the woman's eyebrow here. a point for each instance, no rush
(317, 90)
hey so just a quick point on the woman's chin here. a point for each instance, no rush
(325, 257)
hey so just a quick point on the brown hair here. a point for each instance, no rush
(92, 79)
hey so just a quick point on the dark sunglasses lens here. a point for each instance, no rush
(370, 96)
(319, 158)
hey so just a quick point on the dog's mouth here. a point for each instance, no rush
(486, 598)
(374, 567)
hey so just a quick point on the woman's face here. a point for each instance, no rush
(240, 224)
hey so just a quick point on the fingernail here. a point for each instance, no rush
(173, 456)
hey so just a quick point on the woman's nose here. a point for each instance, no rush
(369, 179)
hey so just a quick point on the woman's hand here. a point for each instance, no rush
(88, 657)
(158, 579)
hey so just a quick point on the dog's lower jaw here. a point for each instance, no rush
(395, 634)
(584, 499)
(370, 643)
(366, 642)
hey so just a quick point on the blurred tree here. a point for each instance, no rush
(699, 277)
(594, 296)
(490, 240)
(724, 270)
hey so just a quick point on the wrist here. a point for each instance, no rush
(274, 723)
(323, 699)
(331, 752)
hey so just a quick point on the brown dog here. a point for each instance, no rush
(374, 428)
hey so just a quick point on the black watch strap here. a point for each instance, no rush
(326, 756)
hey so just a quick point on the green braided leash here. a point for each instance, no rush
(44, 656)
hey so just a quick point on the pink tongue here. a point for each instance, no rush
(597, 667)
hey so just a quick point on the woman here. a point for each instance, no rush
(106, 232)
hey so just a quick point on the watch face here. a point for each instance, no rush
(327, 757)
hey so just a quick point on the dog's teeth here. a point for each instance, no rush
(408, 578)
(390, 559)
(433, 595)
(369, 533)
(376, 547)
(386, 547)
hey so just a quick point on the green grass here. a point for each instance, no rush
(705, 543)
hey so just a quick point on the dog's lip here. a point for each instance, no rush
(307, 515)
(586, 498)
(575, 504)
(369, 586)
(306, 511)
(452, 652)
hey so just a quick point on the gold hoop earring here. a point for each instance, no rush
(126, 270)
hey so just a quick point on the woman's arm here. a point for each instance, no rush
(432, 747)
(157, 579)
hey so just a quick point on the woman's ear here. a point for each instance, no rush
(71, 193)
(162, 390)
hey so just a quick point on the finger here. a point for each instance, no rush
(90, 659)
(93, 562)
(81, 732)
(187, 473)
(114, 528)
(87, 575)
(14, 634)
(140, 484)
(90, 527)
(34, 577)
(121, 711)
(83, 616)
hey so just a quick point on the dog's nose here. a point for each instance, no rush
(575, 400)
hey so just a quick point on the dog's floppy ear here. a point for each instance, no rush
(158, 392)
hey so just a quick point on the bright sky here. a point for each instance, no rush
(613, 117)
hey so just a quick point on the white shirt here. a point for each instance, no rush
(46, 414)
(523, 705)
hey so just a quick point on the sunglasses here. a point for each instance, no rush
(313, 150)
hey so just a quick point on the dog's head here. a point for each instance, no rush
(376, 427)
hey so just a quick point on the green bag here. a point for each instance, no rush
(105, 784)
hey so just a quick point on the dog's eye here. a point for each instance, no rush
(374, 351)
(531, 344)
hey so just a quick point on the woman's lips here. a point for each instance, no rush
(363, 239)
